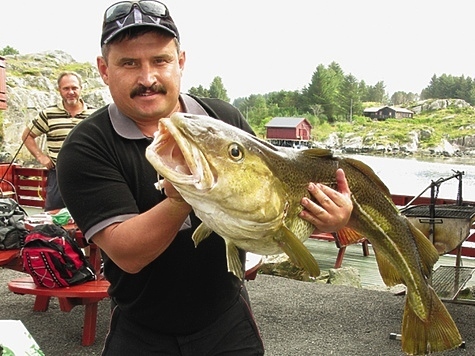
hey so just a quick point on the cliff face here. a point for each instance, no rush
(31, 86)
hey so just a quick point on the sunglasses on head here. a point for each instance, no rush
(123, 8)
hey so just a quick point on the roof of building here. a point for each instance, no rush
(286, 121)
(395, 108)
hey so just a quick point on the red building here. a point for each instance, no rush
(288, 131)
(3, 85)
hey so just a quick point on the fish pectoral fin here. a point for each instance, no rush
(298, 252)
(348, 236)
(427, 251)
(233, 260)
(438, 333)
(389, 274)
(201, 233)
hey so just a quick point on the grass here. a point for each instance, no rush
(432, 127)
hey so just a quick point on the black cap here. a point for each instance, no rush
(136, 17)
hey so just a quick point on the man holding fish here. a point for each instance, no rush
(168, 296)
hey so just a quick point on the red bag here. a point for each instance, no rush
(54, 259)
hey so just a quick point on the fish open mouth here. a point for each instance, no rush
(175, 157)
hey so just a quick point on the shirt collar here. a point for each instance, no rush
(61, 105)
(126, 127)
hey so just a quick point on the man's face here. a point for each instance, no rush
(69, 89)
(143, 75)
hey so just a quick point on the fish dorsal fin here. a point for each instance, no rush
(298, 252)
(369, 173)
(317, 152)
(201, 233)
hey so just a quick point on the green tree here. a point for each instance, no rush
(284, 103)
(403, 98)
(324, 90)
(217, 90)
(350, 96)
(450, 87)
(199, 91)
(7, 50)
(255, 110)
(363, 90)
(377, 93)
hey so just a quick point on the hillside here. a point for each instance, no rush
(439, 127)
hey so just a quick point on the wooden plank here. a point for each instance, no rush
(30, 185)
(6, 172)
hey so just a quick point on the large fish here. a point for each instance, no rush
(249, 191)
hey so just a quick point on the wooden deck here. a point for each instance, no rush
(325, 253)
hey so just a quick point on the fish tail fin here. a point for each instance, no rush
(298, 252)
(439, 333)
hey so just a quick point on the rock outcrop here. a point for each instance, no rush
(438, 104)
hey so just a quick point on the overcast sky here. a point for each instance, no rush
(259, 46)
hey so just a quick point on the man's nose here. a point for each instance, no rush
(148, 76)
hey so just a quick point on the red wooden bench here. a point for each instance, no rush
(88, 294)
(30, 185)
(11, 259)
(341, 244)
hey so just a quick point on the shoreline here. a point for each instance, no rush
(465, 159)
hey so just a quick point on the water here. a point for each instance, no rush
(410, 176)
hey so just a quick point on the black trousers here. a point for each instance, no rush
(53, 197)
(234, 333)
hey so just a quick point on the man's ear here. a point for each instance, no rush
(182, 60)
(103, 69)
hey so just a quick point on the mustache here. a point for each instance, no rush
(142, 89)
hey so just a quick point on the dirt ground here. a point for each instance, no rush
(295, 318)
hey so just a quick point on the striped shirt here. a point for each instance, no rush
(55, 122)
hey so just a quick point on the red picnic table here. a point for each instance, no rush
(88, 294)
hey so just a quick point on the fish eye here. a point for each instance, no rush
(235, 152)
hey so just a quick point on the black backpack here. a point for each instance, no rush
(53, 258)
(12, 224)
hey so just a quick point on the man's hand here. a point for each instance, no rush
(171, 192)
(45, 161)
(334, 207)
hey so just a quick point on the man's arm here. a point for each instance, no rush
(28, 138)
(134, 243)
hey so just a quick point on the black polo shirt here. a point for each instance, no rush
(104, 178)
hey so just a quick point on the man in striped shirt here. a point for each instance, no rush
(56, 122)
